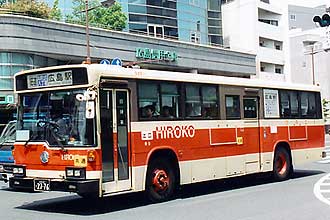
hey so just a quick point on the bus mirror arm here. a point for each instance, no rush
(90, 110)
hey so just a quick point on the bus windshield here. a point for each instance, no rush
(59, 118)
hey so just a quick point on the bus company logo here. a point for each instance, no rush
(167, 132)
(68, 157)
(44, 157)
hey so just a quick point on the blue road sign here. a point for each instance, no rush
(117, 62)
(105, 61)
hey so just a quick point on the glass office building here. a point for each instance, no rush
(197, 21)
(11, 63)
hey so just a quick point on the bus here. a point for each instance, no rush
(106, 130)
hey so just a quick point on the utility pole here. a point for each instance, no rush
(107, 4)
(88, 58)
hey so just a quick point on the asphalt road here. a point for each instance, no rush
(252, 197)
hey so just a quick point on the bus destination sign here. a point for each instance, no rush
(49, 79)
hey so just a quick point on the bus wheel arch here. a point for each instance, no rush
(282, 162)
(162, 176)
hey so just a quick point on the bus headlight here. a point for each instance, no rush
(75, 173)
(1, 168)
(69, 172)
(19, 171)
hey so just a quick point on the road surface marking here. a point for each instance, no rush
(318, 192)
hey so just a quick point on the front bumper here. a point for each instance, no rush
(5, 177)
(6, 172)
(76, 186)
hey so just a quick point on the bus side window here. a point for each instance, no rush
(148, 98)
(308, 105)
(193, 104)
(169, 100)
(210, 106)
(233, 110)
(294, 104)
(284, 104)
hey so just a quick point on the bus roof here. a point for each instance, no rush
(97, 71)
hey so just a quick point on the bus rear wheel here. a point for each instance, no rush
(282, 167)
(160, 181)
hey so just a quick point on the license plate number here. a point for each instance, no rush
(41, 185)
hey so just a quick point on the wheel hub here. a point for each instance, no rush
(160, 180)
(281, 164)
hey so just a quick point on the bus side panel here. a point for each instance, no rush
(306, 141)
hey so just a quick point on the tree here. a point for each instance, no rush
(31, 8)
(109, 18)
(55, 13)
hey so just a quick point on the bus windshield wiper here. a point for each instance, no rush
(52, 127)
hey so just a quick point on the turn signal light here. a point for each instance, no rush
(91, 156)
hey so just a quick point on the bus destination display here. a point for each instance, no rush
(50, 79)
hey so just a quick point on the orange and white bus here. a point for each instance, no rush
(104, 130)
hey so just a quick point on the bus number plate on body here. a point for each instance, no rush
(41, 185)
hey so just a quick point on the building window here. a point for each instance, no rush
(293, 17)
(198, 26)
(156, 31)
(271, 22)
(262, 69)
(195, 37)
(278, 47)
(194, 2)
(226, 1)
(278, 70)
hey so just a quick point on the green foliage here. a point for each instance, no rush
(31, 8)
(326, 110)
(109, 18)
(55, 13)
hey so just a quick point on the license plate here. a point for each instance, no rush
(41, 185)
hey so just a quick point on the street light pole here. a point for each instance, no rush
(107, 4)
(88, 49)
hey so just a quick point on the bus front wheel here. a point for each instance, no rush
(160, 181)
(282, 167)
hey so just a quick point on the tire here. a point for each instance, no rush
(282, 166)
(160, 181)
(91, 196)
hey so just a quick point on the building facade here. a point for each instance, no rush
(309, 60)
(28, 43)
(197, 21)
(302, 17)
(259, 27)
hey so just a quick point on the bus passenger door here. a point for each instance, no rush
(114, 116)
(251, 133)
